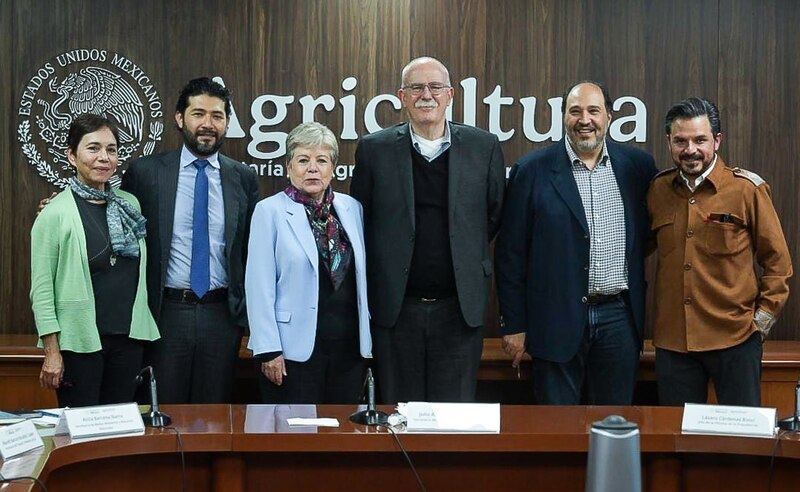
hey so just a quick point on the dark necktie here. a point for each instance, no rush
(200, 276)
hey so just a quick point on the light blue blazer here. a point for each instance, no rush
(281, 278)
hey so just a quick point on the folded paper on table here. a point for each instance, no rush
(319, 422)
(451, 417)
(102, 420)
(728, 420)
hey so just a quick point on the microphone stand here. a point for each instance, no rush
(370, 416)
(793, 423)
(155, 417)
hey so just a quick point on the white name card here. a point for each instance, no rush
(728, 420)
(451, 417)
(19, 438)
(104, 420)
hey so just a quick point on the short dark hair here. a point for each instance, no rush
(600, 85)
(88, 123)
(203, 85)
(694, 107)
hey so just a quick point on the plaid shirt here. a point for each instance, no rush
(605, 215)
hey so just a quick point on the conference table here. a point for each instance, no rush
(236, 448)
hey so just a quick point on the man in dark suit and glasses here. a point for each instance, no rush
(432, 192)
(570, 258)
(198, 205)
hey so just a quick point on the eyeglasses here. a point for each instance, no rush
(436, 88)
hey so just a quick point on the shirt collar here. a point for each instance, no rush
(574, 159)
(415, 141)
(187, 158)
(698, 180)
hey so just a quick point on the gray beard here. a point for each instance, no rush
(585, 147)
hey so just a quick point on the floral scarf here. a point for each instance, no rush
(331, 239)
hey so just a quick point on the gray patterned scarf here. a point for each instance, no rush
(126, 225)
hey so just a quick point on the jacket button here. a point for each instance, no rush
(692, 200)
(689, 233)
(687, 267)
(405, 270)
(687, 301)
(585, 267)
(584, 299)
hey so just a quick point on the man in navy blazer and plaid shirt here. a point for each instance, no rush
(570, 258)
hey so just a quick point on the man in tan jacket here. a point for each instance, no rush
(711, 221)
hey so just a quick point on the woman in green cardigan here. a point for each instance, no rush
(88, 288)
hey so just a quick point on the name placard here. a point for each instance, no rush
(728, 420)
(19, 438)
(104, 420)
(451, 417)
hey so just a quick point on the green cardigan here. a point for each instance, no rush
(61, 285)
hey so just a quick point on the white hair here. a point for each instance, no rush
(420, 61)
(310, 134)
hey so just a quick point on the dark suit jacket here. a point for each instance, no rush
(542, 250)
(154, 181)
(383, 183)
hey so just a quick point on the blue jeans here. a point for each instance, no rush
(604, 368)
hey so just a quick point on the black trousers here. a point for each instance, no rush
(334, 374)
(104, 377)
(735, 371)
(430, 354)
(195, 359)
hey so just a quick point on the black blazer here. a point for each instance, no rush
(542, 250)
(154, 181)
(383, 183)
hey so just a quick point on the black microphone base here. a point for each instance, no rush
(369, 417)
(156, 419)
(790, 424)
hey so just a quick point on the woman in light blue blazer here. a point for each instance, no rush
(305, 281)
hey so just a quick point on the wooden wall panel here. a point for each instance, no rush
(535, 48)
(682, 52)
(310, 48)
(42, 30)
(30, 48)
(741, 53)
(209, 39)
(758, 99)
(681, 59)
(8, 164)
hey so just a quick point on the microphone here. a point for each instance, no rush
(370, 416)
(154, 418)
(793, 423)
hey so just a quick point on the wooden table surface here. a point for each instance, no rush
(236, 448)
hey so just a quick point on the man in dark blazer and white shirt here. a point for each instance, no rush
(432, 193)
(570, 258)
(196, 279)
